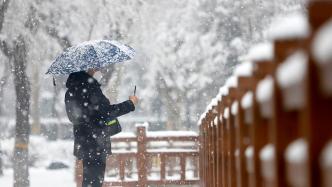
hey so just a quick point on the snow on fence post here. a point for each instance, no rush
(242, 131)
(218, 140)
(224, 161)
(286, 122)
(205, 147)
(141, 154)
(213, 144)
(231, 130)
(318, 114)
(208, 147)
(263, 117)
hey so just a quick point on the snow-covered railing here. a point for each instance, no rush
(271, 124)
(151, 158)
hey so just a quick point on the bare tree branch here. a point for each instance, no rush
(3, 10)
(5, 49)
(63, 41)
(32, 22)
(173, 111)
(3, 82)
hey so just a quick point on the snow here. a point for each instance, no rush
(47, 95)
(245, 69)
(167, 150)
(214, 102)
(326, 156)
(42, 177)
(215, 120)
(290, 26)
(209, 107)
(249, 153)
(42, 151)
(297, 152)
(232, 82)
(293, 70)
(267, 157)
(159, 134)
(265, 90)
(219, 96)
(247, 100)
(226, 113)
(221, 117)
(267, 153)
(235, 108)
(223, 91)
(124, 135)
(261, 52)
(121, 151)
(322, 44)
(146, 125)
(296, 156)
(54, 120)
(201, 119)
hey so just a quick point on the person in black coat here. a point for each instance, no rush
(92, 114)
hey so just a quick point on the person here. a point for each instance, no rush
(90, 112)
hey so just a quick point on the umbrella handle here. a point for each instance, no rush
(135, 91)
(54, 84)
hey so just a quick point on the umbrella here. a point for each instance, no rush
(90, 55)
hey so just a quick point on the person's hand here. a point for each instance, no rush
(133, 99)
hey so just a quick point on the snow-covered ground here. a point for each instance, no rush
(43, 152)
(42, 177)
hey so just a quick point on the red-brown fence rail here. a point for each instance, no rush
(271, 124)
(151, 158)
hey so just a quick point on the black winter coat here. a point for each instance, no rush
(89, 111)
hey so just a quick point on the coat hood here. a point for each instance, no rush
(79, 79)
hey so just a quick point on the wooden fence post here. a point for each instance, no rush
(224, 144)
(317, 120)
(242, 132)
(201, 153)
(285, 122)
(263, 119)
(218, 146)
(141, 152)
(79, 173)
(232, 138)
(204, 149)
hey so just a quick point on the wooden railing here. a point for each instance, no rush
(151, 158)
(271, 125)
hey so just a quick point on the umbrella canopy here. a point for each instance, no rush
(90, 55)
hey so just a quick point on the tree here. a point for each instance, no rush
(17, 49)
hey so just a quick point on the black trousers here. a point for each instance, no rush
(94, 171)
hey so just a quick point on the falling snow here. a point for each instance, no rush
(185, 52)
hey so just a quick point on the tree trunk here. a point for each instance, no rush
(3, 47)
(22, 131)
(3, 83)
(35, 113)
(172, 106)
